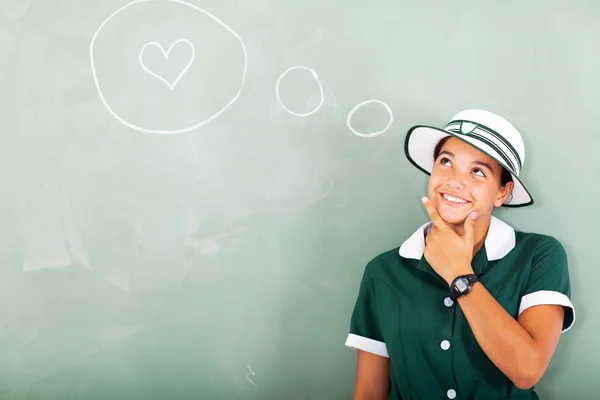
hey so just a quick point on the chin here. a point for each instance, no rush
(453, 218)
(453, 215)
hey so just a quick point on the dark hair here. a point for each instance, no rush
(505, 177)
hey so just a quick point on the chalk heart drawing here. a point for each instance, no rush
(165, 54)
(190, 7)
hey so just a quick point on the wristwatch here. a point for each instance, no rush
(462, 285)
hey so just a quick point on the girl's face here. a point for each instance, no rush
(461, 171)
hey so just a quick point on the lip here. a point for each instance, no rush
(446, 201)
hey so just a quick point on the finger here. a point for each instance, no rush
(470, 228)
(433, 214)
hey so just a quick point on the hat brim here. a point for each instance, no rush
(421, 141)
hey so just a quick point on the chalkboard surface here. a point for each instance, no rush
(191, 190)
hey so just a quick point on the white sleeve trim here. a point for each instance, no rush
(542, 297)
(366, 344)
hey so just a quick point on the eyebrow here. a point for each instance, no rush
(478, 162)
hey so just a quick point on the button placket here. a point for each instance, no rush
(445, 344)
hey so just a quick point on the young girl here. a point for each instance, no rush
(467, 307)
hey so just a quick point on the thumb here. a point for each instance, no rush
(470, 228)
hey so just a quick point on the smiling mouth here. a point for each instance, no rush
(453, 200)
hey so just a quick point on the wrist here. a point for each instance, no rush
(466, 270)
(474, 288)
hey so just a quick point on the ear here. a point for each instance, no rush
(504, 193)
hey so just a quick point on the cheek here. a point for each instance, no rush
(484, 193)
(434, 182)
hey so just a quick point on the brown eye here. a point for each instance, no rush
(443, 160)
(480, 170)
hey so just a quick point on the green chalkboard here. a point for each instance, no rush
(190, 191)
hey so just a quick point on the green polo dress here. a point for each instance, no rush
(403, 312)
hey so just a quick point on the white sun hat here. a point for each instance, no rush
(486, 131)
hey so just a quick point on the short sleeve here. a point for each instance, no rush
(364, 326)
(549, 281)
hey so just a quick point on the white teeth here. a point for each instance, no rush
(454, 199)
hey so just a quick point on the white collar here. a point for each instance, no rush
(500, 240)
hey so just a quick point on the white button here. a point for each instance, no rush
(448, 302)
(451, 393)
(445, 344)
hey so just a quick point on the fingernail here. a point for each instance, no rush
(474, 215)
(424, 200)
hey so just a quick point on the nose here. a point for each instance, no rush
(456, 179)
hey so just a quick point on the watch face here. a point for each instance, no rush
(461, 284)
